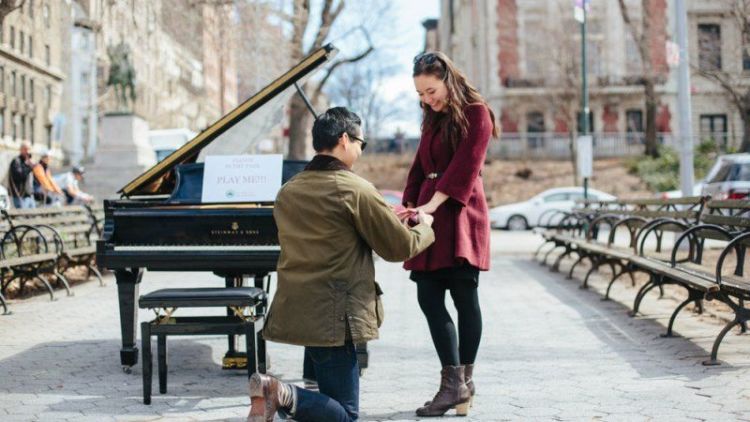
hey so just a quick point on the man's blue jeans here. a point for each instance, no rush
(337, 372)
(23, 202)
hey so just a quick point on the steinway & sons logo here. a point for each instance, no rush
(234, 230)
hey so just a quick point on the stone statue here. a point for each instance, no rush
(121, 75)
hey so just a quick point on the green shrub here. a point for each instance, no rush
(663, 173)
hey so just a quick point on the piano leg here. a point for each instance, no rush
(127, 291)
(232, 359)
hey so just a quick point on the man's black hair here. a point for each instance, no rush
(331, 125)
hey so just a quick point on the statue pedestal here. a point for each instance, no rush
(123, 153)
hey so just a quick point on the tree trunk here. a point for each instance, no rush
(299, 127)
(651, 141)
(745, 147)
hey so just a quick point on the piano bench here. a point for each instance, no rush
(238, 299)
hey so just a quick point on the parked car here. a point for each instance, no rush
(523, 215)
(393, 198)
(677, 193)
(729, 178)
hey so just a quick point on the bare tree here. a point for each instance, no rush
(8, 6)
(732, 82)
(554, 53)
(360, 88)
(643, 34)
(301, 20)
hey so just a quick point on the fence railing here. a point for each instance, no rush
(548, 145)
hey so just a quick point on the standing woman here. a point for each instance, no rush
(445, 180)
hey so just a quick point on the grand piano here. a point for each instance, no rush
(160, 224)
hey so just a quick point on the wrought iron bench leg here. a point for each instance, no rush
(93, 269)
(713, 361)
(556, 266)
(64, 280)
(572, 268)
(653, 282)
(539, 249)
(146, 361)
(596, 264)
(693, 296)
(5, 305)
(46, 284)
(625, 270)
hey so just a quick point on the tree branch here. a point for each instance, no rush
(327, 18)
(370, 48)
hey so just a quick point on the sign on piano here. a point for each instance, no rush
(241, 178)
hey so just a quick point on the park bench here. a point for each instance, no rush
(692, 223)
(45, 241)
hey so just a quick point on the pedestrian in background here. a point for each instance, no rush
(445, 180)
(68, 183)
(46, 191)
(21, 178)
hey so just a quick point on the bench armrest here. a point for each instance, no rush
(733, 244)
(17, 234)
(652, 227)
(627, 221)
(687, 235)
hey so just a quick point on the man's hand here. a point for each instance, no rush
(425, 218)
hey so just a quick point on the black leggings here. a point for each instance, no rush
(452, 350)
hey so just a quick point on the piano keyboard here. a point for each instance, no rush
(199, 248)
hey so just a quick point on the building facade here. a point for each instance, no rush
(525, 56)
(32, 73)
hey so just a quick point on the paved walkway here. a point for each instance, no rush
(549, 352)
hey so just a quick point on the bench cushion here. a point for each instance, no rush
(203, 297)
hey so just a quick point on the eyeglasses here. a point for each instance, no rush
(356, 138)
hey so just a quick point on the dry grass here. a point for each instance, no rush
(501, 183)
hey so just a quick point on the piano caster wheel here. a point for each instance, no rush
(127, 369)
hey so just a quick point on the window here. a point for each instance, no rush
(22, 120)
(45, 15)
(14, 123)
(48, 96)
(85, 130)
(535, 129)
(21, 41)
(745, 59)
(714, 126)
(12, 37)
(633, 61)
(556, 197)
(47, 56)
(634, 121)
(31, 7)
(2, 35)
(31, 47)
(49, 136)
(709, 47)
(2, 79)
(23, 87)
(634, 126)
(2, 122)
(31, 130)
(13, 83)
(31, 90)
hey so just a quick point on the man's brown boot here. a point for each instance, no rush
(453, 393)
(264, 398)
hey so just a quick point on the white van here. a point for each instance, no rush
(167, 141)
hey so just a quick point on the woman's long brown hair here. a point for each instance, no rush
(452, 123)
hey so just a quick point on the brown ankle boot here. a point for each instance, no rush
(468, 376)
(468, 372)
(453, 393)
(264, 398)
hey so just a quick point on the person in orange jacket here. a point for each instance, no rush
(46, 190)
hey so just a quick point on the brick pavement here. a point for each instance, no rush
(550, 352)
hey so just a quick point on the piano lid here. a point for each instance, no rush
(148, 183)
